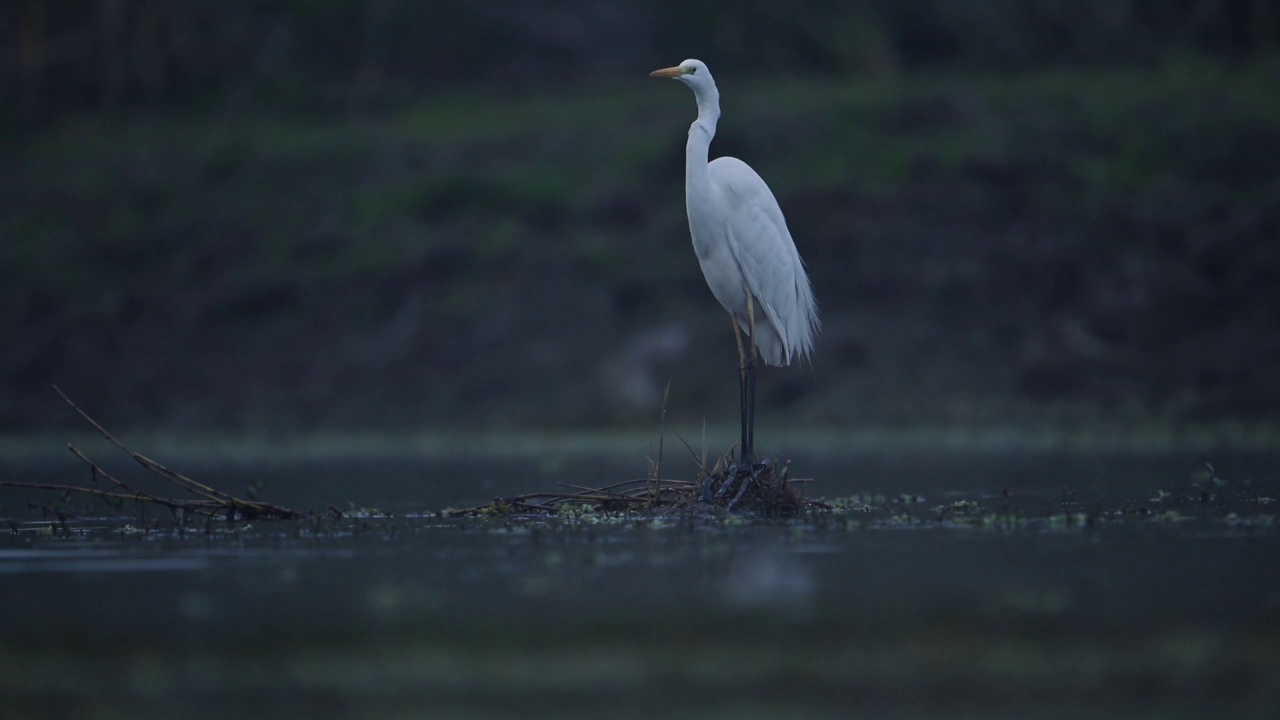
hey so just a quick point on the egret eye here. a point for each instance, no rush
(749, 261)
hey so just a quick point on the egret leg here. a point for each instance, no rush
(742, 388)
(749, 449)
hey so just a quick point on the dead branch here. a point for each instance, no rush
(209, 501)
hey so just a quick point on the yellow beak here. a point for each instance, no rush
(671, 72)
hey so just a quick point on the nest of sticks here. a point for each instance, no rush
(762, 488)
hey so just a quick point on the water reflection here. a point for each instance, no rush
(767, 578)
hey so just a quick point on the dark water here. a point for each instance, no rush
(1065, 585)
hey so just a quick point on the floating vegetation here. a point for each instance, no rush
(727, 494)
(959, 507)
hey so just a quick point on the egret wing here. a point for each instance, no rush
(767, 255)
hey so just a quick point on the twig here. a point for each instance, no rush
(181, 481)
(662, 425)
(701, 463)
(80, 489)
(97, 471)
(211, 501)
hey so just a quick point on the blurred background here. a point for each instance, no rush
(291, 216)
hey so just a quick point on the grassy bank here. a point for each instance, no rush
(1056, 247)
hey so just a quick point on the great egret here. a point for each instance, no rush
(745, 251)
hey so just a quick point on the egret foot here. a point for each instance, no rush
(758, 487)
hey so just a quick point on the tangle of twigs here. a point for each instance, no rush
(761, 488)
(208, 501)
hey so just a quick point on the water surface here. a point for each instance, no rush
(956, 584)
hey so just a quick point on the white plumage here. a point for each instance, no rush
(742, 243)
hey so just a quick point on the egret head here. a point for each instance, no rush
(690, 72)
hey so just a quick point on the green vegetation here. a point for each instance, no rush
(1109, 133)
(922, 203)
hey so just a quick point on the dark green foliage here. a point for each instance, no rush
(390, 214)
(1087, 244)
(342, 55)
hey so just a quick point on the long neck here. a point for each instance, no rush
(701, 132)
(697, 179)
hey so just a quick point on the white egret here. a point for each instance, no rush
(746, 253)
